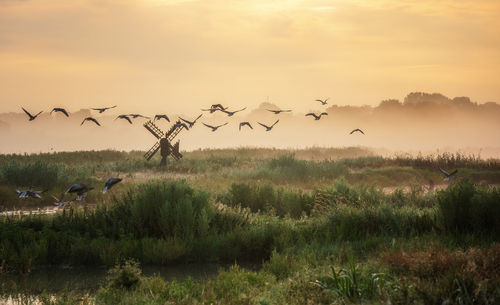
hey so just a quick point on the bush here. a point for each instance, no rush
(466, 207)
(168, 209)
(280, 265)
(165, 209)
(266, 198)
(126, 275)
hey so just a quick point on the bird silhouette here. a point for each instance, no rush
(214, 128)
(278, 111)
(101, 110)
(214, 108)
(447, 175)
(323, 102)
(30, 193)
(245, 123)
(161, 116)
(179, 124)
(219, 106)
(80, 189)
(211, 110)
(32, 117)
(357, 130)
(317, 117)
(90, 119)
(135, 116)
(191, 124)
(109, 183)
(268, 128)
(60, 110)
(231, 113)
(124, 117)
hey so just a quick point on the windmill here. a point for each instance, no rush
(165, 142)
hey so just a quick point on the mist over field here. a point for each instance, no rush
(420, 122)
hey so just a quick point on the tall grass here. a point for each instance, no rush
(287, 167)
(351, 284)
(45, 175)
(466, 207)
(266, 198)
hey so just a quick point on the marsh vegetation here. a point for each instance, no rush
(322, 225)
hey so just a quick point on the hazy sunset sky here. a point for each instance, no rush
(177, 56)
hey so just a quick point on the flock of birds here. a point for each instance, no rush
(189, 124)
(81, 189)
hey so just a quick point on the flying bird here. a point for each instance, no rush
(245, 123)
(214, 128)
(268, 128)
(323, 102)
(214, 108)
(231, 113)
(161, 116)
(90, 119)
(32, 117)
(191, 123)
(30, 193)
(357, 130)
(278, 111)
(135, 116)
(101, 110)
(124, 117)
(109, 183)
(179, 124)
(80, 189)
(317, 117)
(448, 176)
(219, 106)
(60, 110)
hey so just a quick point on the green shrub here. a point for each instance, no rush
(466, 207)
(280, 265)
(39, 174)
(126, 275)
(266, 198)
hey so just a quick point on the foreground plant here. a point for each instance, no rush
(351, 284)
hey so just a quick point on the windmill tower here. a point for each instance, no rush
(164, 144)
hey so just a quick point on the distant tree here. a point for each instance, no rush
(390, 104)
(418, 99)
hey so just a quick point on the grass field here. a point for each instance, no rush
(326, 226)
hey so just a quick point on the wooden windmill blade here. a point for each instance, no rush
(154, 130)
(152, 151)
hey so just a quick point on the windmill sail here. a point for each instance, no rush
(151, 127)
(152, 151)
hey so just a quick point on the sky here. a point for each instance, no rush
(180, 55)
